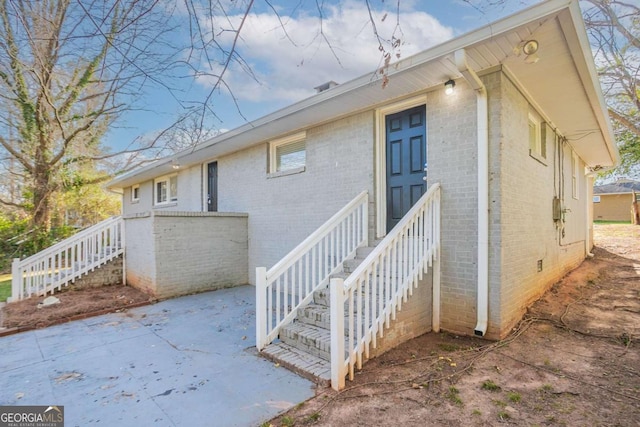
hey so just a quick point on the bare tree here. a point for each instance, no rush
(71, 69)
(68, 70)
(614, 29)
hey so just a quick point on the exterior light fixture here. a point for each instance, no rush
(530, 48)
(448, 86)
(175, 164)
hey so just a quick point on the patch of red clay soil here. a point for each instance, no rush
(74, 304)
(574, 360)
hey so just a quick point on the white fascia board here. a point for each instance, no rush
(627, 193)
(438, 52)
(577, 39)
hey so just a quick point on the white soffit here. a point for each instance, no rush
(561, 88)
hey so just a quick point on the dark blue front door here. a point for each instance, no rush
(406, 158)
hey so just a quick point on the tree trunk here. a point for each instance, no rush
(635, 209)
(42, 195)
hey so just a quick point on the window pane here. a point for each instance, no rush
(533, 143)
(161, 191)
(543, 140)
(291, 156)
(173, 188)
(574, 174)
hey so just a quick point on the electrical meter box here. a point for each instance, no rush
(557, 209)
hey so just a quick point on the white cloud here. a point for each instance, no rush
(289, 67)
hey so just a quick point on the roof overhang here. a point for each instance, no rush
(566, 67)
(627, 193)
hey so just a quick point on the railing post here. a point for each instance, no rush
(120, 243)
(435, 325)
(261, 307)
(16, 281)
(365, 219)
(436, 295)
(338, 374)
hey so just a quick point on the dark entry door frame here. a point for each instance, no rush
(211, 196)
(406, 152)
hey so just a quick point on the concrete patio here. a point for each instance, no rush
(188, 361)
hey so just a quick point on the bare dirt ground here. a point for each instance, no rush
(574, 360)
(74, 304)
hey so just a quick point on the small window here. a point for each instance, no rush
(173, 188)
(596, 199)
(537, 136)
(575, 163)
(288, 154)
(135, 193)
(166, 190)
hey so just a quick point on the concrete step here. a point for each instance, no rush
(364, 251)
(304, 364)
(317, 315)
(349, 265)
(322, 296)
(305, 344)
(308, 338)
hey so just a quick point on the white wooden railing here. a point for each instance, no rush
(64, 262)
(290, 283)
(363, 304)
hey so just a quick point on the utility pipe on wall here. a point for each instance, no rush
(483, 190)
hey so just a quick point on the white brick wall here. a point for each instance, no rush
(521, 190)
(174, 253)
(190, 182)
(340, 163)
(451, 153)
(144, 204)
(140, 260)
(527, 230)
(413, 320)
(285, 210)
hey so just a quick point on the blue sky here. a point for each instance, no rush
(287, 66)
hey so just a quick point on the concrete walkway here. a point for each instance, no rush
(189, 361)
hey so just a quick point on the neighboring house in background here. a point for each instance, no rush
(510, 152)
(613, 202)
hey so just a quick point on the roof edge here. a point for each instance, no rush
(479, 35)
(598, 104)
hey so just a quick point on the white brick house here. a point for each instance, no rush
(512, 149)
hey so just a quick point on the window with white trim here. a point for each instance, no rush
(575, 164)
(135, 193)
(165, 190)
(537, 136)
(288, 154)
(596, 199)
